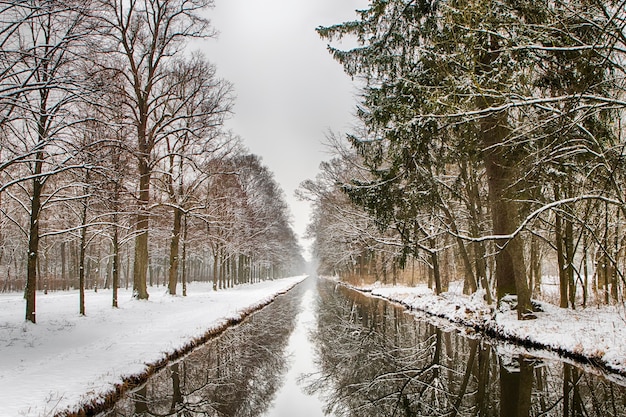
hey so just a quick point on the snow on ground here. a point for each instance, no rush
(65, 359)
(597, 333)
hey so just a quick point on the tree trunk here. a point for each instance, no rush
(216, 260)
(434, 258)
(569, 259)
(116, 242)
(535, 265)
(510, 270)
(558, 237)
(63, 267)
(33, 243)
(116, 261)
(469, 283)
(585, 270)
(174, 243)
(604, 257)
(81, 260)
(140, 264)
(614, 271)
(500, 159)
(184, 259)
(127, 269)
(222, 279)
(475, 210)
(241, 278)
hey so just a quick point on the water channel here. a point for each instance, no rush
(322, 349)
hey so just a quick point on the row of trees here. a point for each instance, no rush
(113, 155)
(490, 146)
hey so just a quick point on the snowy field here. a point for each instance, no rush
(65, 359)
(597, 333)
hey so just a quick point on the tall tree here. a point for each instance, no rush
(448, 81)
(199, 102)
(145, 35)
(43, 83)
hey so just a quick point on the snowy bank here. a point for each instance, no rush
(596, 334)
(66, 360)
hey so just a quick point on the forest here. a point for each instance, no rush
(116, 169)
(488, 148)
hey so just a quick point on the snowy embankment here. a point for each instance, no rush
(596, 334)
(66, 360)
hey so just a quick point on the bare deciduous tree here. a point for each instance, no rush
(42, 82)
(145, 35)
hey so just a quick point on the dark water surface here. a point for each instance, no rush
(322, 349)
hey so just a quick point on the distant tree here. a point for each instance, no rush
(223, 197)
(111, 175)
(269, 235)
(348, 240)
(338, 228)
(248, 223)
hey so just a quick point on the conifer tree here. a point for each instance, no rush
(455, 81)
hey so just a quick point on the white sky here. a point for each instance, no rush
(289, 90)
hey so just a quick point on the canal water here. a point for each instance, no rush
(322, 349)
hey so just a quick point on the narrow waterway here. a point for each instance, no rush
(322, 349)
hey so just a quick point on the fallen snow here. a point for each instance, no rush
(597, 333)
(66, 359)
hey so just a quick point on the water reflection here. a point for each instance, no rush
(372, 359)
(377, 360)
(236, 374)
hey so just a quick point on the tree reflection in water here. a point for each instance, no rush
(236, 374)
(377, 360)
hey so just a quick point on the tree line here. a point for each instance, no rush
(115, 166)
(488, 148)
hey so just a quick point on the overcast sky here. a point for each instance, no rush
(289, 90)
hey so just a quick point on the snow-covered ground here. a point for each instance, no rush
(597, 333)
(65, 360)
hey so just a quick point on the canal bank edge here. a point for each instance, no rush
(486, 323)
(101, 403)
